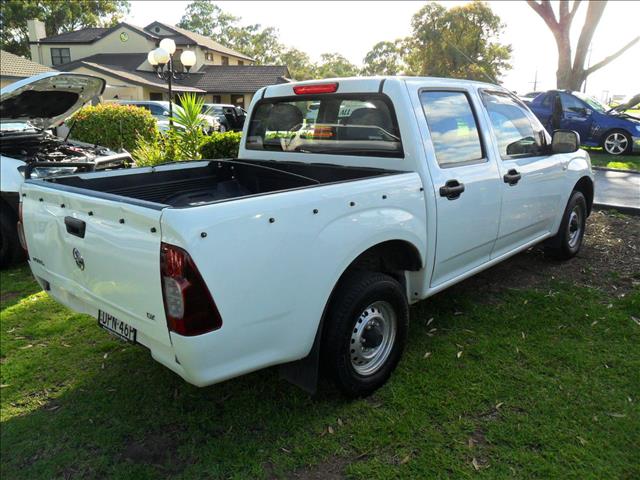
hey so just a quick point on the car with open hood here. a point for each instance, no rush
(29, 110)
(615, 131)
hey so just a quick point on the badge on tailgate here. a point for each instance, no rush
(117, 327)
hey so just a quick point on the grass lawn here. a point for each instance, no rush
(623, 162)
(529, 370)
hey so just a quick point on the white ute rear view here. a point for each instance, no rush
(350, 199)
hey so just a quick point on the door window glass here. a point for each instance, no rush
(453, 127)
(517, 131)
(571, 104)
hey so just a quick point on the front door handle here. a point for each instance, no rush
(452, 189)
(512, 177)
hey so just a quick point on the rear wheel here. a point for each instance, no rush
(617, 142)
(365, 332)
(10, 250)
(568, 241)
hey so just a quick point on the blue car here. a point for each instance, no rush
(598, 126)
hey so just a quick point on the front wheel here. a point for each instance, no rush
(365, 333)
(568, 241)
(617, 143)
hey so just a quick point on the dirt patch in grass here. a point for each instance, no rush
(6, 296)
(157, 449)
(331, 469)
(609, 260)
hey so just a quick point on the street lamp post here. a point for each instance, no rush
(162, 57)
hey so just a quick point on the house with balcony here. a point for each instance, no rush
(119, 55)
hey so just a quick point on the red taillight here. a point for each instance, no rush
(316, 88)
(188, 305)
(20, 228)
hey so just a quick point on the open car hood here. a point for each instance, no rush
(45, 100)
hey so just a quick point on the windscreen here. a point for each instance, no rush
(331, 124)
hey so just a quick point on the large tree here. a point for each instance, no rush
(460, 42)
(571, 75)
(206, 18)
(335, 65)
(385, 58)
(58, 17)
(299, 64)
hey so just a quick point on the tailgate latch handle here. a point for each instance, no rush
(75, 226)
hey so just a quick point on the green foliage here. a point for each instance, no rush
(299, 64)
(221, 145)
(113, 126)
(189, 117)
(385, 58)
(335, 65)
(460, 42)
(165, 148)
(58, 17)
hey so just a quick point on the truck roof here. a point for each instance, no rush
(372, 84)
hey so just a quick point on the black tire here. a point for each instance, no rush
(10, 249)
(610, 145)
(355, 293)
(568, 241)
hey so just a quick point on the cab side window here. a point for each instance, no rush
(518, 133)
(453, 128)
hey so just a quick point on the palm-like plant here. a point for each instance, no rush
(189, 117)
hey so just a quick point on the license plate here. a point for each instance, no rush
(116, 327)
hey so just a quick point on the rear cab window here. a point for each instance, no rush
(338, 124)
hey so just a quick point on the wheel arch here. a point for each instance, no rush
(585, 186)
(392, 257)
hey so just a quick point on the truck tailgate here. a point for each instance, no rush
(94, 254)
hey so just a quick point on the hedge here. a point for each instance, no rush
(112, 125)
(221, 145)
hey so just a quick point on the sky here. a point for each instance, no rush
(352, 28)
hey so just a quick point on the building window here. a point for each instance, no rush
(240, 62)
(215, 99)
(208, 56)
(60, 56)
(225, 60)
(155, 96)
(237, 100)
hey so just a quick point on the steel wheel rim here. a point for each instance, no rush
(377, 322)
(616, 143)
(574, 228)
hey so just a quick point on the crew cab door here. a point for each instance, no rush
(465, 179)
(531, 179)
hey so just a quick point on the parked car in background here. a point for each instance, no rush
(308, 248)
(231, 118)
(527, 97)
(28, 110)
(160, 111)
(599, 126)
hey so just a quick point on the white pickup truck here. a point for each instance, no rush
(307, 249)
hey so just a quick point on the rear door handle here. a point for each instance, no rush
(512, 177)
(452, 189)
(75, 226)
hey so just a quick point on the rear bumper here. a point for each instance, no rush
(201, 360)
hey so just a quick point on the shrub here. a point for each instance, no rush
(221, 145)
(189, 117)
(165, 148)
(113, 126)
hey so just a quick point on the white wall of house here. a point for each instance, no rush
(112, 43)
(117, 87)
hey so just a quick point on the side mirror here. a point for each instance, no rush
(565, 141)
